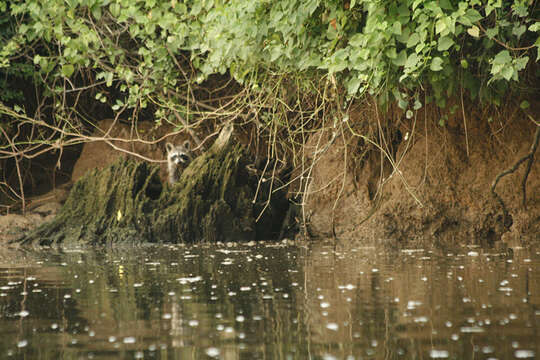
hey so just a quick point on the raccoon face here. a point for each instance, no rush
(179, 154)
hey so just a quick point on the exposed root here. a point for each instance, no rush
(529, 157)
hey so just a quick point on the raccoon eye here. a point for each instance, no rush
(184, 158)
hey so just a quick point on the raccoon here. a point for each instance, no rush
(178, 158)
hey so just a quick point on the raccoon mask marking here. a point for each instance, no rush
(178, 158)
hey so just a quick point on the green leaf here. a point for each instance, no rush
(492, 32)
(402, 103)
(474, 31)
(440, 26)
(521, 63)
(68, 70)
(413, 40)
(444, 43)
(391, 53)
(409, 114)
(535, 27)
(442, 121)
(502, 57)
(524, 104)
(507, 72)
(436, 64)
(114, 9)
(96, 12)
(275, 52)
(412, 60)
(396, 28)
(445, 4)
(109, 78)
(352, 85)
(519, 30)
(401, 58)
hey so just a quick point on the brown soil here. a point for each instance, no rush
(440, 194)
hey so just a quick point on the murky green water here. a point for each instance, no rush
(269, 301)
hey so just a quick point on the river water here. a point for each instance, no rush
(269, 301)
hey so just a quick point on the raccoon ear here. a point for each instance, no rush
(187, 144)
(169, 147)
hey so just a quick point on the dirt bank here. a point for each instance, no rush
(438, 189)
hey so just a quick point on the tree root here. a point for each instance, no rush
(529, 157)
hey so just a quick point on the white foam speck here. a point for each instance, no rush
(332, 326)
(524, 354)
(212, 352)
(438, 354)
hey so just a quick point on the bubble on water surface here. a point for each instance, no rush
(186, 280)
(212, 352)
(438, 354)
(488, 349)
(412, 304)
(524, 354)
(471, 329)
(332, 326)
(129, 340)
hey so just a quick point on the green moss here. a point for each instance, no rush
(127, 202)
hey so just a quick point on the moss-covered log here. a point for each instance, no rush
(127, 202)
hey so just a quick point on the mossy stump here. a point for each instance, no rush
(127, 202)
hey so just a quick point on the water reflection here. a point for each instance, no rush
(268, 301)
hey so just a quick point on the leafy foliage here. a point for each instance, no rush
(152, 51)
